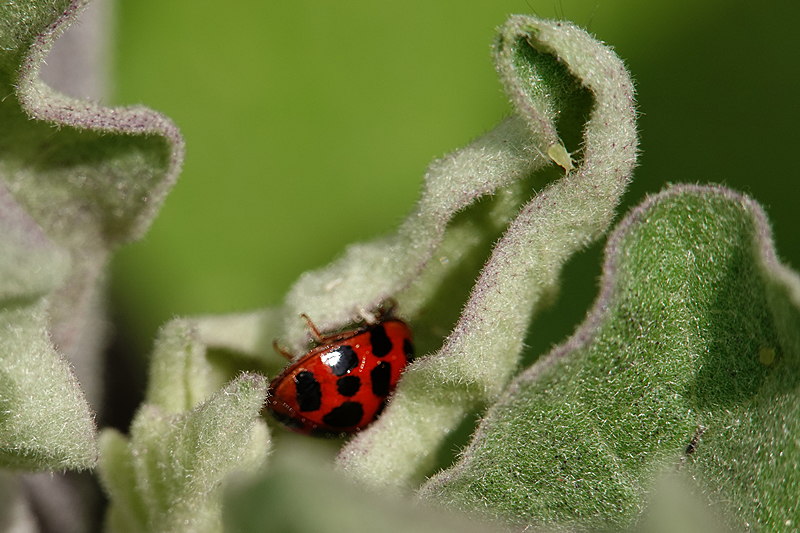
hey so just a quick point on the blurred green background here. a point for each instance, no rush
(309, 125)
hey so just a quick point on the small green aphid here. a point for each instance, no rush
(562, 158)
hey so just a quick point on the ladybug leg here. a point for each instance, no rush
(278, 348)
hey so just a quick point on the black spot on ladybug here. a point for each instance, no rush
(348, 385)
(408, 349)
(380, 376)
(341, 360)
(309, 394)
(381, 344)
(346, 415)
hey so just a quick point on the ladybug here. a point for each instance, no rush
(341, 385)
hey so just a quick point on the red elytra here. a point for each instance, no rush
(341, 386)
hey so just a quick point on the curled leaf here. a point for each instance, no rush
(544, 65)
(169, 475)
(76, 179)
(367, 274)
(184, 441)
(90, 177)
(667, 373)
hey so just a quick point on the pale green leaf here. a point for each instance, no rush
(169, 475)
(545, 65)
(31, 265)
(303, 493)
(45, 422)
(185, 439)
(180, 376)
(547, 92)
(76, 179)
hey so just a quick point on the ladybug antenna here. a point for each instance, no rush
(319, 337)
(281, 350)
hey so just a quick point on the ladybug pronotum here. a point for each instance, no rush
(341, 385)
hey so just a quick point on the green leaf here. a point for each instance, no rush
(91, 176)
(45, 422)
(249, 333)
(547, 89)
(545, 65)
(185, 439)
(547, 92)
(31, 265)
(169, 476)
(688, 361)
(303, 493)
(76, 179)
(180, 376)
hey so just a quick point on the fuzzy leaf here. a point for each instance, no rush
(169, 476)
(546, 89)
(45, 422)
(470, 196)
(690, 359)
(369, 273)
(31, 265)
(91, 177)
(302, 493)
(103, 172)
(184, 440)
(180, 376)
(76, 179)
(247, 333)
(539, 62)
